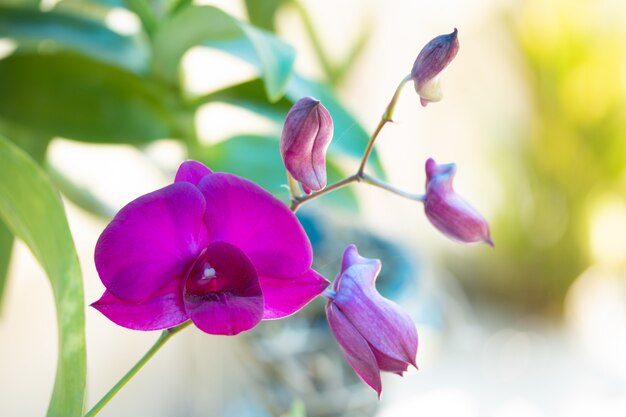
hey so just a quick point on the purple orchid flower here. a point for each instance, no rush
(213, 248)
(374, 333)
(449, 212)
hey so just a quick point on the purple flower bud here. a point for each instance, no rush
(430, 62)
(447, 211)
(373, 333)
(306, 136)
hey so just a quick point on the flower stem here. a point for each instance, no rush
(294, 189)
(296, 202)
(381, 184)
(386, 117)
(360, 175)
(164, 337)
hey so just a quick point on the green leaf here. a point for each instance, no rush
(147, 14)
(34, 213)
(24, 4)
(257, 158)
(66, 30)
(109, 3)
(6, 247)
(350, 138)
(173, 6)
(262, 13)
(79, 98)
(33, 144)
(209, 26)
(249, 95)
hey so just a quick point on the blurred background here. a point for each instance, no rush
(534, 115)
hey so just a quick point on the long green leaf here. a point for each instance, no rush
(350, 138)
(78, 98)
(173, 6)
(67, 30)
(36, 148)
(33, 211)
(262, 13)
(209, 26)
(6, 246)
(250, 96)
(23, 4)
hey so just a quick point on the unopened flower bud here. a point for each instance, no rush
(306, 136)
(447, 211)
(373, 333)
(430, 62)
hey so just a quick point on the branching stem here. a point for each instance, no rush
(360, 176)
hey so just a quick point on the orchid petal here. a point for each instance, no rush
(162, 310)
(354, 347)
(386, 363)
(222, 292)
(387, 327)
(151, 241)
(283, 297)
(191, 171)
(351, 257)
(242, 213)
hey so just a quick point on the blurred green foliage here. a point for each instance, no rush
(570, 152)
(263, 13)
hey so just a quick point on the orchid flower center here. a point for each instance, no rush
(219, 268)
(208, 272)
(203, 278)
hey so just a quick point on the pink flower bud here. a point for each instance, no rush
(430, 62)
(447, 211)
(373, 333)
(306, 136)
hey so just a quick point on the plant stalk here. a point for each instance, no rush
(164, 337)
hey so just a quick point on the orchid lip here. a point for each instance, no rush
(205, 275)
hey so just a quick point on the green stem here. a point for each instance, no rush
(360, 175)
(388, 187)
(296, 202)
(165, 336)
(386, 117)
(294, 189)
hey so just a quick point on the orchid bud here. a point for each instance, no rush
(373, 333)
(447, 211)
(306, 136)
(430, 62)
